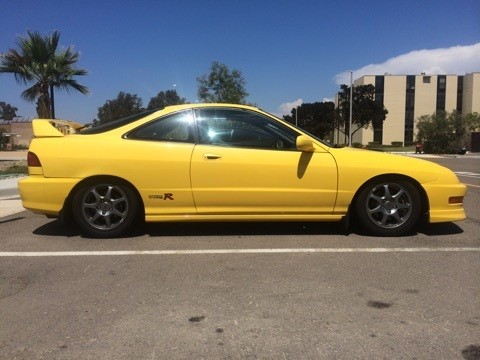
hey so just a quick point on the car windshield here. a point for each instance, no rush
(111, 125)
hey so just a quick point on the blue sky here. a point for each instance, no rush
(289, 52)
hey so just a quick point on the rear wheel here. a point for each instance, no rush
(388, 207)
(105, 208)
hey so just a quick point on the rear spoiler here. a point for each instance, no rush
(54, 128)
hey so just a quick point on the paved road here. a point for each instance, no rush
(241, 291)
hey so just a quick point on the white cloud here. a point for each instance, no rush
(286, 108)
(454, 60)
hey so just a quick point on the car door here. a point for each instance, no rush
(246, 163)
(162, 150)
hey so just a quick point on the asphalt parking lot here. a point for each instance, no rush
(242, 291)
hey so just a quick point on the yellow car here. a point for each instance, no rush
(223, 162)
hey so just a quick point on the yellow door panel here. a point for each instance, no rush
(256, 181)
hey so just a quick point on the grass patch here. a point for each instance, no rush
(390, 148)
(15, 169)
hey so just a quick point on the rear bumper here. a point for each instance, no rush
(45, 195)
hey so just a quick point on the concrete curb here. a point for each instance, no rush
(9, 186)
(13, 155)
(10, 202)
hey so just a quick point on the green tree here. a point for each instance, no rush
(39, 62)
(366, 110)
(7, 111)
(169, 97)
(446, 133)
(124, 105)
(316, 118)
(222, 85)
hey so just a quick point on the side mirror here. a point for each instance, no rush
(304, 144)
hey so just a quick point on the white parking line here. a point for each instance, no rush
(236, 251)
(468, 174)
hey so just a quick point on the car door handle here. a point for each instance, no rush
(210, 156)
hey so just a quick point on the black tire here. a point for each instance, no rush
(388, 207)
(104, 208)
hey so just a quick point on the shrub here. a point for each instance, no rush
(20, 147)
(446, 133)
(14, 168)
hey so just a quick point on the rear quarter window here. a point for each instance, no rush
(176, 127)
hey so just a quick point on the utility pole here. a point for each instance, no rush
(351, 107)
(52, 102)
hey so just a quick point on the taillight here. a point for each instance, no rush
(33, 160)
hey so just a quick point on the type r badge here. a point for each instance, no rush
(166, 196)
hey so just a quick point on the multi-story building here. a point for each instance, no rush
(407, 97)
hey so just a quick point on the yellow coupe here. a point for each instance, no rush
(223, 162)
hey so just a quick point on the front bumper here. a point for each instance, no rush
(441, 210)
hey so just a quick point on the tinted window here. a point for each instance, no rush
(177, 127)
(240, 128)
(111, 125)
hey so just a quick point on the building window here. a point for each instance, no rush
(410, 108)
(379, 94)
(427, 79)
(460, 94)
(441, 93)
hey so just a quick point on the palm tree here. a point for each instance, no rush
(39, 62)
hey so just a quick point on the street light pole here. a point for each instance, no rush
(351, 103)
(52, 102)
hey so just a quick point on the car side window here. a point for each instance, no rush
(241, 128)
(177, 127)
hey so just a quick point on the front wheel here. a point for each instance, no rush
(388, 208)
(104, 209)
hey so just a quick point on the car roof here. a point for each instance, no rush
(115, 124)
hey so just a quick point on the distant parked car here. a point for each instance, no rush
(418, 148)
(221, 162)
